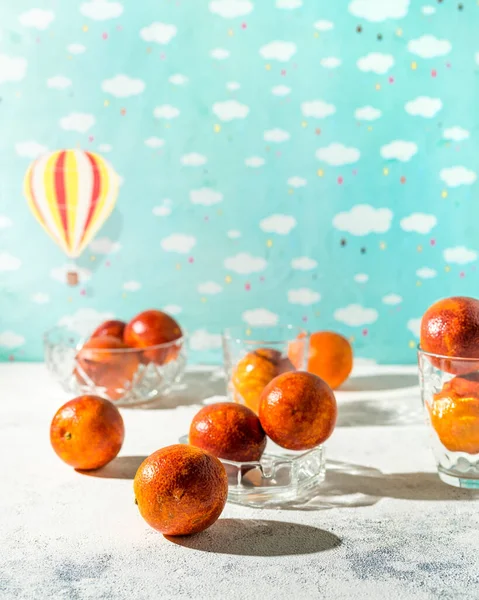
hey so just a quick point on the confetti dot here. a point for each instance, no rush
(340, 180)
(385, 171)
(304, 123)
(92, 258)
(317, 313)
(104, 35)
(148, 50)
(203, 300)
(244, 25)
(354, 172)
(219, 212)
(462, 274)
(382, 245)
(320, 172)
(359, 29)
(123, 112)
(248, 331)
(106, 103)
(206, 218)
(261, 278)
(228, 279)
(370, 128)
(283, 72)
(305, 319)
(402, 179)
(343, 242)
(379, 36)
(290, 191)
(230, 32)
(267, 67)
(444, 194)
(364, 332)
(69, 299)
(123, 295)
(419, 248)
(11, 358)
(412, 344)
(191, 260)
(217, 128)
(378, 86)
(85, 28)
(317, 131)
(447, 268)
(414, 65)
(391, 79)
(418, 283)
(108, 263)
(352, 339)
(363, 250)
(316, 34)
(432, 242)
(269, 243)
(433, 73)
(399, 32)
(178, 266)
(247, 286)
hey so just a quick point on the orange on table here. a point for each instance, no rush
(450, 328)
(87, 432)
(108, 363)
(330, 357)
(298, 410)
(180, 489)
(454, 414)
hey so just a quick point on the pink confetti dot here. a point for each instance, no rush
(448, 65)
(391, 79)
(162, 56)
(283, 72)
(261, 278)
(247, 286)
(244, 25)
(340, 180)
(207, 218)
(37, 40)
(108, 263)
(11, 358)
(305, 319)
(278, 153)
(462, 274)
(91, 138)
(433, 242)
(355, 172)
(364, 332)
(104, 35)
(83, 292)
(434, 73)
(191, 260)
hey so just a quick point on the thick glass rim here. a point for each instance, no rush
(63, 329)
(229, 334)
(446, 357)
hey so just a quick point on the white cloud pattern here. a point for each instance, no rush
(364, 219)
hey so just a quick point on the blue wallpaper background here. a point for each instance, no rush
(282, 161)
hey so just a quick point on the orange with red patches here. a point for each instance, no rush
(450, 328)
(109, 363)
(298, 410)
(455, 414)
(181, 489)
(152, 328)
(254, 371)
(87, 432)
(113, 328)
(230, 431)
(330, 357)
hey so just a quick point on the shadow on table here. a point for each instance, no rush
(193, 389)
(348, 486)
(121, 467)
(390, 412)
(258, 537)
(380, 382)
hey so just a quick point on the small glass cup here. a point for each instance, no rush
(253, 356)
(450, 394)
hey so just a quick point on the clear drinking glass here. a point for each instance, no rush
(450, 394)
(253, 356)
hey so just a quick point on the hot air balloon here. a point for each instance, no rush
(71, 193)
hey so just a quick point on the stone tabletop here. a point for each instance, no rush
(381, 526)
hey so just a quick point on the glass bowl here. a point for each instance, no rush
(280, 476)
(126, 376)
(450, 395)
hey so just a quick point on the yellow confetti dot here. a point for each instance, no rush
(230, 32)
(447, 268)
(412, 344)
(167, 125)
(248, 331)
(316, 34)
(69, 57)
(317, 313)
(148, 50)
(219, 212)
(444, 194)
(382, 245)
(290, 191)
(414, 65)
(352, 339)
(217, 128)
(85, 28)
(269, 243)
(178, 266)
(378, 86)
(385, 171)
(419, 248)
(399, 32)
(92, 258)
(203, 300)
(106, 103)
(267, 67)
(124, 295)
(418, 283)
(228, 279)
(320, 172)
(304, 123)
(69, 299)
(370, 128)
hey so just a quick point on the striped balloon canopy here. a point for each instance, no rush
(71, 193)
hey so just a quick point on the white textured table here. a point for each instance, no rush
(382, 526)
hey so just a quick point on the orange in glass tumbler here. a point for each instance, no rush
(450, 328)
(254, 371)
(330, 357)
(298, 410)
(108, 363)
(153, 328)
(113, 328)
(87, 432)
(455, 414)
(181, 489)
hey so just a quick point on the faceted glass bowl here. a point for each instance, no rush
(450, 395)
(280, 476)
(126, 376)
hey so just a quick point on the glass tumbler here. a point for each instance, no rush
(253, 356)
(450, 394)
